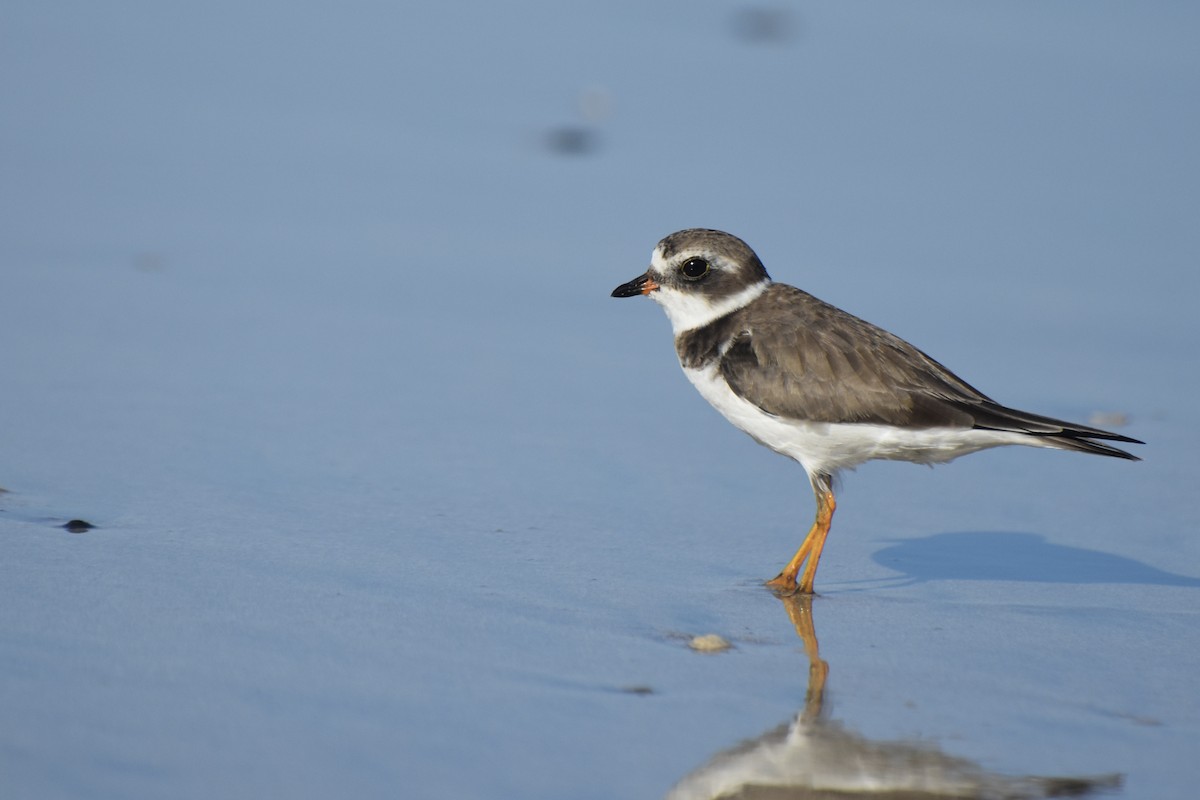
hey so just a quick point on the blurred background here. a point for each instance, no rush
(306, 307)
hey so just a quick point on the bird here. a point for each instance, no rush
(821, 386)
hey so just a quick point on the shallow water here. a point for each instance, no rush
(309, 316)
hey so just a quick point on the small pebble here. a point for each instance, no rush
(709, 643)
(572, 140)
(1109, 419)
(78, 526)
(762, 25)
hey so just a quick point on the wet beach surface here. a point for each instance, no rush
(331, 469)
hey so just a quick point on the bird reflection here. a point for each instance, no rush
(815, 758)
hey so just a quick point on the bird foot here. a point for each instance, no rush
(784, 585)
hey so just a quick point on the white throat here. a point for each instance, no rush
(688, 310)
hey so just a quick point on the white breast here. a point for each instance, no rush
(825, 447)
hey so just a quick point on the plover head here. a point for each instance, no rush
(699, 275)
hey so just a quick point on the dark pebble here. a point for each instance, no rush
(78, 526)
(572, 141)
(759, 25)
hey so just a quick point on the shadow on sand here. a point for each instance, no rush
(816, 758)
(1002, 556)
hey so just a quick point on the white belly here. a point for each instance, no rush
(826, 447)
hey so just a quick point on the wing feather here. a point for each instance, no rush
(796, 356)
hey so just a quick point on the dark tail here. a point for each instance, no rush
(1068, 441)
(1066, 435)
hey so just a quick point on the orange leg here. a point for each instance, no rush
(811, 547)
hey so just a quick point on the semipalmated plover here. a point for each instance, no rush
(822, 386)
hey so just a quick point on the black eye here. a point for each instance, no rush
(694, 269)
